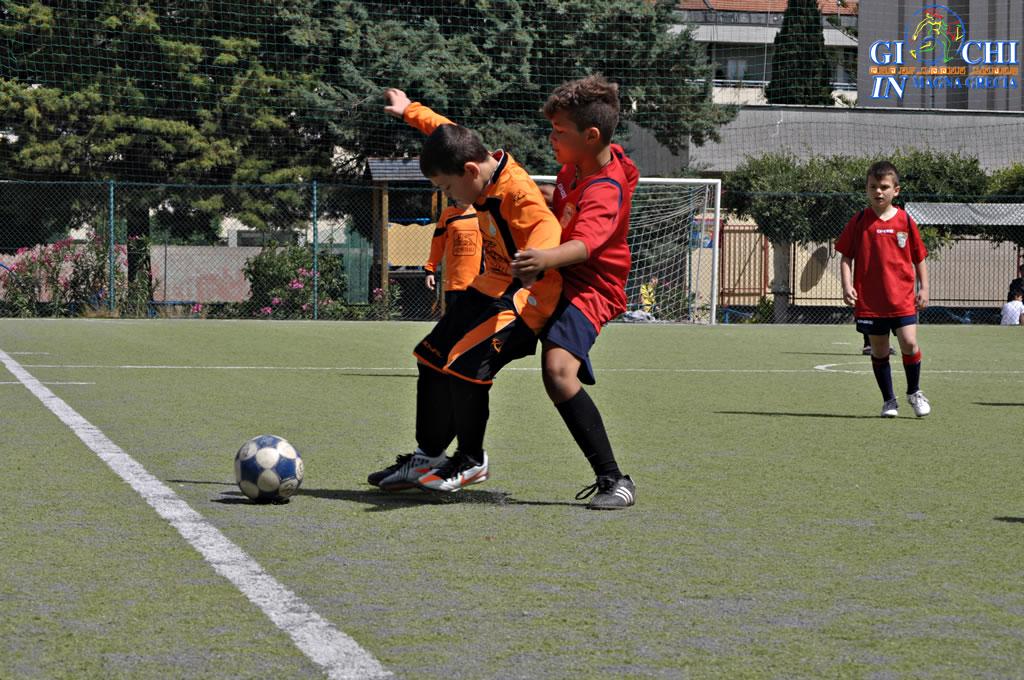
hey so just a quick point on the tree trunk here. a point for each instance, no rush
(782, 269)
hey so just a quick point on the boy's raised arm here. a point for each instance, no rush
(413, 113)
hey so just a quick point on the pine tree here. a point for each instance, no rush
(801, 71)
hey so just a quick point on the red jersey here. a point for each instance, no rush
(884, 253)
(595, 211)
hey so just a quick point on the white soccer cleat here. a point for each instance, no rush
(920, 404)
(405, 471)
(457, 472)
(890, 409)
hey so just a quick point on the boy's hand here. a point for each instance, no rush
(850, 297)
(430, 281)
(922, 298)
(527, 264)
(398, 102)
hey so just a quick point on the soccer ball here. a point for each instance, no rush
(268, 469)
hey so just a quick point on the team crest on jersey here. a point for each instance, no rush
(901, 238)
(568, 213)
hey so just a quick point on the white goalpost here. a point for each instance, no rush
(674, 235)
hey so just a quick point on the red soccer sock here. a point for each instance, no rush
(912, 367)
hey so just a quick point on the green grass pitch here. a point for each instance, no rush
(782, 529)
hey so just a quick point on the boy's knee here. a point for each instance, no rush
(560, 381)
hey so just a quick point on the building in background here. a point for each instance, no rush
(739, 35)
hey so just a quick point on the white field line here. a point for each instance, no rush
(821, 368)
(338, 654)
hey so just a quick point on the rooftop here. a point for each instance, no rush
(846, 7)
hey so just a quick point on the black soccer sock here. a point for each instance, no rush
(471, 407)
(912, 367)
(587, 428)
(867, 340)
(883, 376)
(435, 417)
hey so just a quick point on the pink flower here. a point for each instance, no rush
(275, 301)
(296, 284)
(266, 311)
(197, 307)
(302, 271)
(305, 307)
(22, 251)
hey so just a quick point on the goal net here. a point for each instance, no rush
(673, 237)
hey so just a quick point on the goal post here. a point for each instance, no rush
(674, 236)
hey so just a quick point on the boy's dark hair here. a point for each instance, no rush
(880, 169)
(589, 102)
(448, 149)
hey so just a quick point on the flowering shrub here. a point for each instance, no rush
(281, 281)
(62, 278)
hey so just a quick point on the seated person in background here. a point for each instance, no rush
(1013, 310)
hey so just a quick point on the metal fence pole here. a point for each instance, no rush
(112, 261)
(316, 262)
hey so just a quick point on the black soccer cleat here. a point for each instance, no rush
(611, 493)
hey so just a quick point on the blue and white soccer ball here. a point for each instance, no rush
(268, 469)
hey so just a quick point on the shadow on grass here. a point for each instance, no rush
(383, 500)
(380, 501)
(1010, 520)
(998, 403)
(797, 415)
(825, 354)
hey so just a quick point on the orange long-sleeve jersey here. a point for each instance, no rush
(457, 241)
(512, 215)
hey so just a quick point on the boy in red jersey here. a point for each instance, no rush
(886, 246)
(592, 198)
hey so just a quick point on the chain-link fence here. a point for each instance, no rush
(975, 250)
(296, 251)
(315, 251)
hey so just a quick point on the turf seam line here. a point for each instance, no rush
(337, 653)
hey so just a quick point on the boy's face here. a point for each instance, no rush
(463, 189)
(881, 191)
(568, 142)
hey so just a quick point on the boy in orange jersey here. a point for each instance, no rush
(456, 241)
(592, 199)
(497, 320)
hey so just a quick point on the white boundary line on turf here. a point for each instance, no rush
(831, 368)
(326, 646)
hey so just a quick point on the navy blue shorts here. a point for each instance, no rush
(885, 325)
(573, 332)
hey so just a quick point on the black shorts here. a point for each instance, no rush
(451, 297)
(476, 337)
(573, 332)
(884, 325)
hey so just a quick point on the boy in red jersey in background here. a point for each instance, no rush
(592, 198)
(884, 244)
